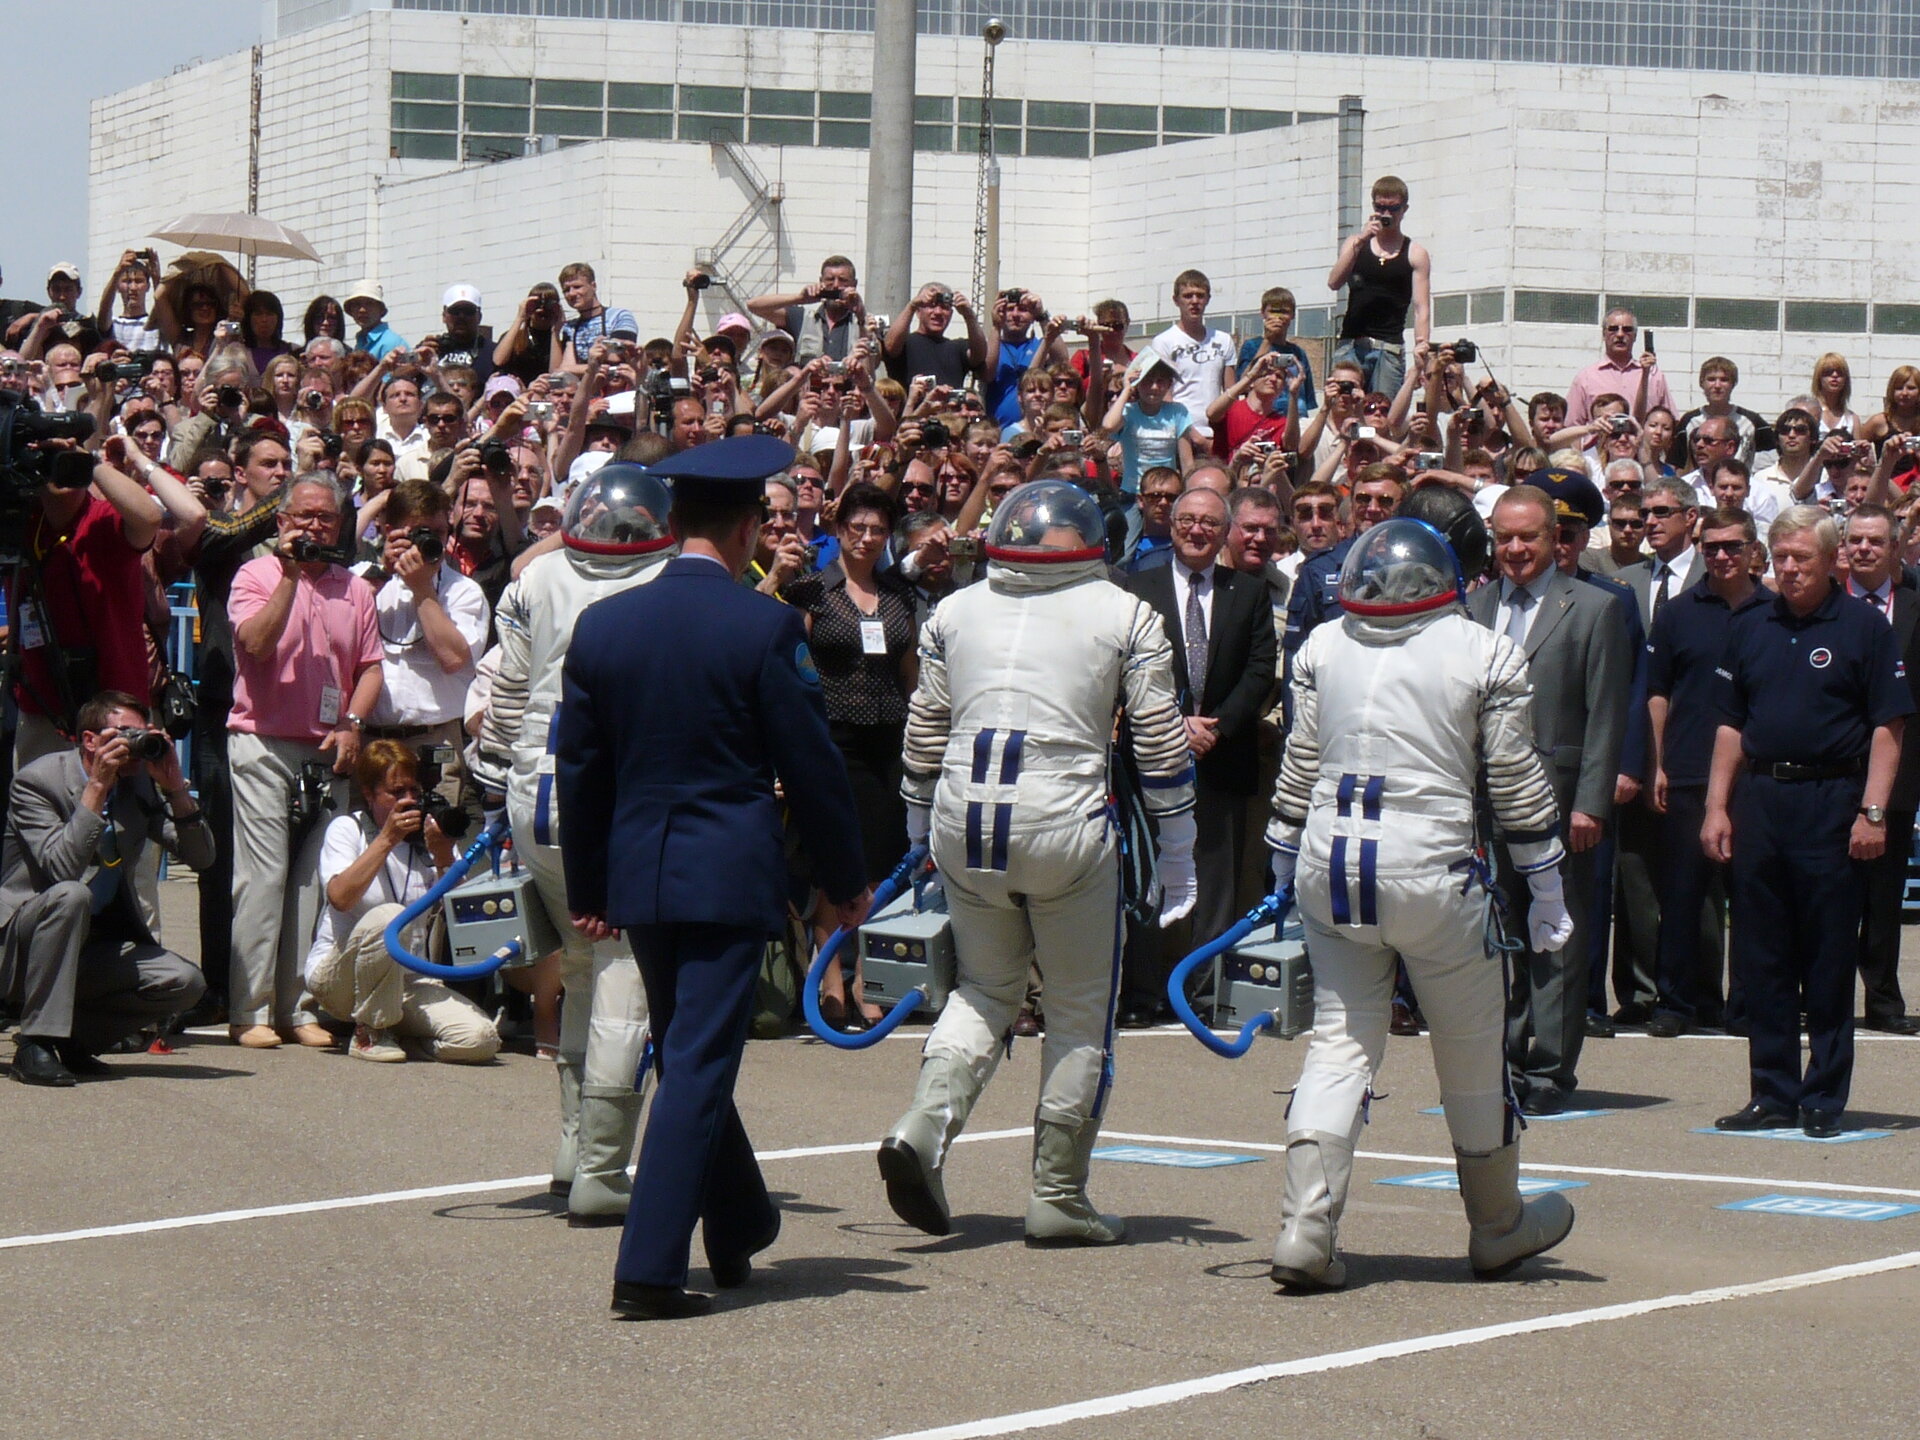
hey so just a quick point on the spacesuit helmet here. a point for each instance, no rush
(1047, 522)
(1459, 524)
(1400, 568)
(618, 510)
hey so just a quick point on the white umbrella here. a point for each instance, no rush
(243, 234)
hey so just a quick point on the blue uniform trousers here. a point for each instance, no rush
(696, 1163)
(1687, 970)
(1796, 902)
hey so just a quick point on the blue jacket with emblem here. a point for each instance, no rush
(683, 701)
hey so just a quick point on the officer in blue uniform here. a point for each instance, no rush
(1812, 698)
(1377, 493)
(683, 701)
(1689, 637)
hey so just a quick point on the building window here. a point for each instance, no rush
(1006, 123)
(639, 112)
(1654, 312)
(933, 122)
(1555, 307)
(1118, 128)
(1488, 307)
(1736, 314)
(1058, 127)
(1896, 319)
(1449, 311)
(1247, 121)
(1190, 122)
(712, 112)
(424, 116)
(1826, 317)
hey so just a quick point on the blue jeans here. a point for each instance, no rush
(1384, 365)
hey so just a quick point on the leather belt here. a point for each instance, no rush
(1837, 770)
(401, 732)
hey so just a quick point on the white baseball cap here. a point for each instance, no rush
(460, 295)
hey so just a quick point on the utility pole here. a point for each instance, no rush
(986, 203)
(887, 284)
(253, 156)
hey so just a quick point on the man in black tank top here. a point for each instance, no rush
(1384, 273)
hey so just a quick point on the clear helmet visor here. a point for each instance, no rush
(1047, 521)
(618, 510)
(1399, 567)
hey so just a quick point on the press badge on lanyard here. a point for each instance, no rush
(873, 637)
(329, 705)
(33, 625)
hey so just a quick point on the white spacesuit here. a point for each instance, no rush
(615, 529)
(1007, 764)
(1397, 710)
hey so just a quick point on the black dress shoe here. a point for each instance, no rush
(84, 1062)
(730, 1272)
(1403, 1021)
(1892, 1024)
(1135, 1017)
(1755, 1116)
(1600, 1027)
(35, 1063)
(1028, 1023)
(1544, 1100)
(594, 1222)
(1821, 1124)
(1163, 1013)
(1635, 1013)
(1665, 1025)
(656, 1302)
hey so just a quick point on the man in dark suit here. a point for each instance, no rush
(684, 701)
(1575, 641)
(76, 957)
(1220, 624)
(1875, 576)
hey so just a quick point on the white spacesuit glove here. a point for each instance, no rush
(1179, 884)
(1549, 926)
(919, 825)
(1284, 864)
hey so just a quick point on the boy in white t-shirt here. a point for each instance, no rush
(1154, 430)
(1202, 360)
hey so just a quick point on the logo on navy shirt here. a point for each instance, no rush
(1820, 658)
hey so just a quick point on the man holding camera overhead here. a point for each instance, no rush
(307, 676)
(433, 625)
(76, 958)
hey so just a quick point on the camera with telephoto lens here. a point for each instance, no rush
(230, 397)
(496, 459)
(145, 744)
(307, 551)
(312, 796)
(312, 400)
(431, 769)
(1465, 351)
(30, 458)
(427, 541)
(935, 435)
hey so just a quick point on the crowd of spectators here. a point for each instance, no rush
(348, 505)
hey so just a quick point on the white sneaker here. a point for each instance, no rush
(379, 1045)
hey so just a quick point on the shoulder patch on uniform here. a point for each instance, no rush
(1821, 658)
(803, 662)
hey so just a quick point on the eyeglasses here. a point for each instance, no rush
(1159, 497)
(869, 532)
(916, 489)
(1200, 524)
(1627, 522)
(1624, 487)
(1373, 502)
(310, 517)
(1722, 547)
(1664, 512)
(808, 482)
(1793, 430)
(356, 422)
(1621, 329)
(1378, 409)
(1303, 513)
(1386, 209)
(450, 419)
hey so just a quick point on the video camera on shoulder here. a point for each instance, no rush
(138, 368)
(431, 767)
(312, 796)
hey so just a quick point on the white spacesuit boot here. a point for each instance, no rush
(601, 1186)
(1507, 1229)
(1319, 1168)
(915, 1149)
(1059, 1212)
(565, 1156)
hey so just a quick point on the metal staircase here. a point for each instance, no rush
(746, 260)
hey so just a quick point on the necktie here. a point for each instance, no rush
(1196, 642)
(1518, 604)
(1660, 594)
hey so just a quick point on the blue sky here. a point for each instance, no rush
(64, 56)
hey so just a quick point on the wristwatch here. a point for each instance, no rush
(359, 722)
(1875, 814)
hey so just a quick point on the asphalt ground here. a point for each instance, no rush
(288, 1244)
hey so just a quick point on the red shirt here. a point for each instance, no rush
(1081, 363)
(1245, 423)
(95, 597)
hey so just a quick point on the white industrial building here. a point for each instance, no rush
(1744, 172)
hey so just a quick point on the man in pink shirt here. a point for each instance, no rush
(307, 674)
(1618, 373)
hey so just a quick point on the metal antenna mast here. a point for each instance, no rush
(986, 200)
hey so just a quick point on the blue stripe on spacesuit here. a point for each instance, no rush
(543, 792)
(1003, 811)
(1337, 881)
(975, 813)
(1105, 1086)
(1369, 895)
(1370, 797)
(1169, 782)
(982, 755)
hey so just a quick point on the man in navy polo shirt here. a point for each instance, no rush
(1813, 699)
(1689, 636)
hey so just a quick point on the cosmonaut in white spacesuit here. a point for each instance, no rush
(1007, 749)
(1398, 708)
(616, 537)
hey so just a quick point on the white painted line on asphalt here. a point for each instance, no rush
(400, 1197)
(1602, 1170)
(1154, 1396)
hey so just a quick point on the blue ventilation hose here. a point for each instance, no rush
(1270, 911)
(902, 876)
(487, 840)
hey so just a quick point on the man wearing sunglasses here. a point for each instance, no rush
(1617, 372)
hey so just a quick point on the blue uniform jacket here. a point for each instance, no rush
(681, 702)
(1636, 744)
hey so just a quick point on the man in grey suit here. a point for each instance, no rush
(1575, 641)
(77, 960)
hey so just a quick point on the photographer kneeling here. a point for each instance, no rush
(372, 864)
(76, 958)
